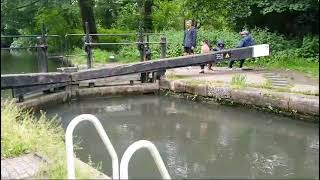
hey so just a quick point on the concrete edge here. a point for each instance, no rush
(117, 90)
(36, 103)
(303, 106)
(96, 174)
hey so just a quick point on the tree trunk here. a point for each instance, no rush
(148, 15)
(86, 10)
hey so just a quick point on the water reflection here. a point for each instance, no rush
(26, 63)
(197, 140)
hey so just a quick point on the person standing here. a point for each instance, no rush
(205, 48)
(189, 39)
(246, 41)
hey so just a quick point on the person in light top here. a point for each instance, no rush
(205, 48)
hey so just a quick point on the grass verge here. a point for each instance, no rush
(238, 81)
(287, 63)
(100, 57)
(22, 132)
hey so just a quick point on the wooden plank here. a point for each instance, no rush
(111, 80)
(23, 80)
(38, 88)
(167, 63)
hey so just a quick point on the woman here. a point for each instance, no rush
(205, 48)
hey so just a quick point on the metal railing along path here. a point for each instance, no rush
(115, 163)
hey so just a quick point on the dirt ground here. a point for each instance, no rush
(296, 80)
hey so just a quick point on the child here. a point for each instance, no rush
(205, 48)
(219, 46)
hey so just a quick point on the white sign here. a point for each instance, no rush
(261, 50)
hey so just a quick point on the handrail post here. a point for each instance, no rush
(163, 55)
(87, 46)
(163, 46)
(141, 48)
(104, 137)
(42, 50)
(154, 153)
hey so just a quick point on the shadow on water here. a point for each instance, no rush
(196, 140)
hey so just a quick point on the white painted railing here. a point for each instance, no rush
(115, 162)
(69, 144)
(154, 153)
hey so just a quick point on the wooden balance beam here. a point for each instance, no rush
(9, 81)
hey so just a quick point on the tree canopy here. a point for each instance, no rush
(289, 17)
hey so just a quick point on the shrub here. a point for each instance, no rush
(309, 48)
(114, 39)
(238, 81)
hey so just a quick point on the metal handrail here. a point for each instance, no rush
(30, 47)
(122, 43)
(69, 144)
(154, 153)
(19, 36)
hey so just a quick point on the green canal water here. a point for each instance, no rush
(24, 63)
(196, 140)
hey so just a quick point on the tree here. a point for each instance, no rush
(167, 14)
(290, 17)
(106, 11)
(147, 24)
(87, 15)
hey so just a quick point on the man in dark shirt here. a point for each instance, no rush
(246, 41)
(189, 39)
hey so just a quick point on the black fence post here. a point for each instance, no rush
(163, 46)
(87, 47)
(141, 47)
(163, 55)
(42, 50)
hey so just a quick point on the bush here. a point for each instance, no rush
(57, 21)
(129, 17)
(276, 41)
(114, 39)
(309, 48)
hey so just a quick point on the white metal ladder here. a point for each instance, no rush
(115, 162)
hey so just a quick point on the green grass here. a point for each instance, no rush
(100, 57)
(287, 63)
(238, 81)
(22, 132)
(265, 85)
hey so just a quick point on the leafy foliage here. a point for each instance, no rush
(128, 17)
(289, 26)
(167, 15)
(280, 6)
